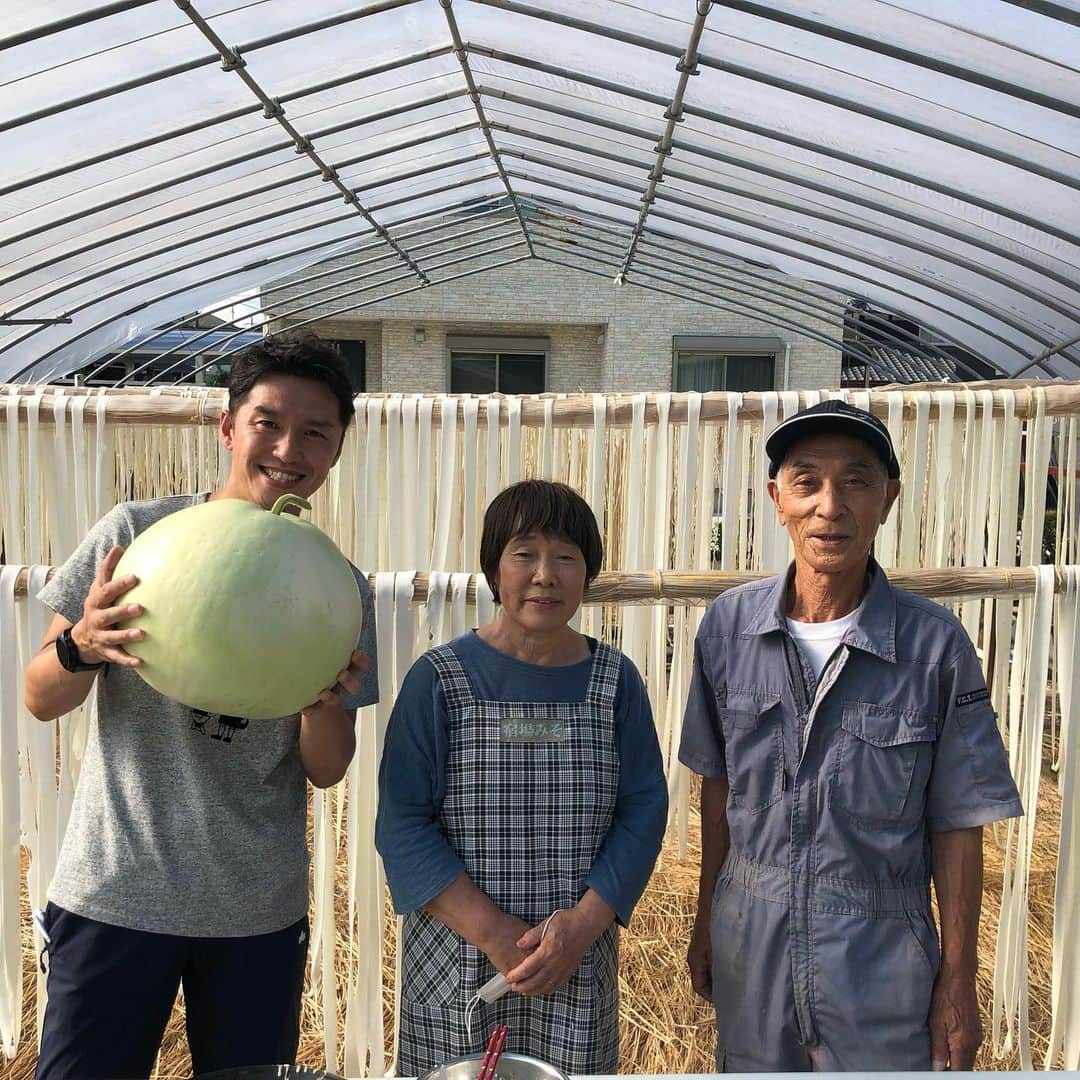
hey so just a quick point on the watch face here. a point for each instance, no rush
(66, 651)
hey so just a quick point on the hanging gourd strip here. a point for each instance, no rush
(171, 405)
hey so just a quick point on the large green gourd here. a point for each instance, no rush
(247, 612)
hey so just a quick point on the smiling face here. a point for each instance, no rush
(541, 582)
(284, 437)
(832, 494)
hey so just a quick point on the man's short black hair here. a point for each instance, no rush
(302, 354)
(539, 506)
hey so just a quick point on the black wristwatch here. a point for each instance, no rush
(68, 653)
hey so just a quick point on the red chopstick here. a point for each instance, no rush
(494, 1051)
(483, 1073)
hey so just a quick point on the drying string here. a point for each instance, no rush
(1063, 1050)
(645, 463)
(10, 812)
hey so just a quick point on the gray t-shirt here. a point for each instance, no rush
(183, 822)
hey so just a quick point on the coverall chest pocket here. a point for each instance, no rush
(882, 764)
(754, 749)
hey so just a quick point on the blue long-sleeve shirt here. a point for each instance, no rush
(419, 860)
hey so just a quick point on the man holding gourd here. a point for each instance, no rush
(185, 858)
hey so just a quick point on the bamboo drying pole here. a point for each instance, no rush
(202, 405)
(684, 588)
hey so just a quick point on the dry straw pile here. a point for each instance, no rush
(665, 1028)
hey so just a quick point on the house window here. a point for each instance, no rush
(488, 365)
(711, 362)
(354, 356)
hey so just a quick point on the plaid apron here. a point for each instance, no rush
(530, 797)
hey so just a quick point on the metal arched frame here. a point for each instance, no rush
(983, 265)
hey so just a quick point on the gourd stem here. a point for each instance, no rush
(289, 500)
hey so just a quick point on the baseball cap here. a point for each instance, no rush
(832, 417)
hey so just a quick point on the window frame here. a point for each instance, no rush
(497, 346)
(729, 347)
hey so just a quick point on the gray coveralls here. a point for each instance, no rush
(824, 947)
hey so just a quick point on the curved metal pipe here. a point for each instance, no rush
(861, 258)
(224, 275)
(390, 296)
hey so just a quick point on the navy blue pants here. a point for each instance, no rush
(111, 991)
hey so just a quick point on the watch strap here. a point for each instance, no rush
(68, 653)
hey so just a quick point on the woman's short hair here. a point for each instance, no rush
(539, 506)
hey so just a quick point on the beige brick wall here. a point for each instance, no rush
(575, 359)
(573, 309)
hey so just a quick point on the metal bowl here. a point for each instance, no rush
(510, 1067)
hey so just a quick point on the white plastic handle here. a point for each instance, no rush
(494, 988)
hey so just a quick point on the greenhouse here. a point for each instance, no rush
(605, 243)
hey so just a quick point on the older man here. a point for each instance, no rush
(849, 754)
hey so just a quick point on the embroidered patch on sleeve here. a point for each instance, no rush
(972, 697)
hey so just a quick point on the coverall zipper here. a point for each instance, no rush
(801, 845)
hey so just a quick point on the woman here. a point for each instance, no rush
(522, 804)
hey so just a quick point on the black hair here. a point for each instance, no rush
(301, 354)
(539, 506)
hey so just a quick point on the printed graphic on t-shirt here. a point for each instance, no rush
(223, 727)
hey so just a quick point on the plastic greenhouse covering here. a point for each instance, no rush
(162, 157)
